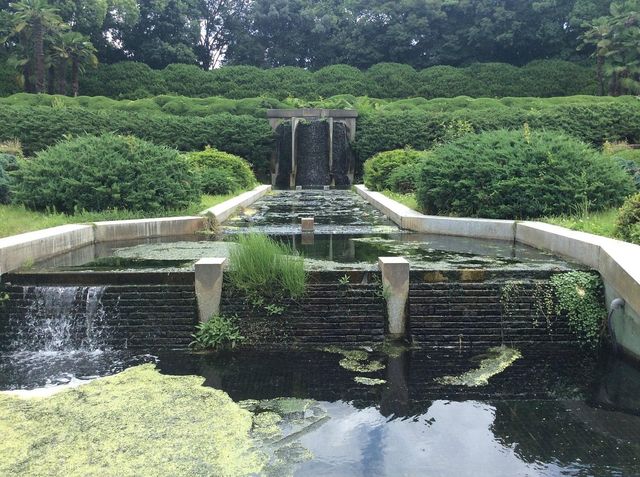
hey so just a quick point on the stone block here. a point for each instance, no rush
(208, 278)
(395, 283)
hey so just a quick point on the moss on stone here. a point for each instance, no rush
(498, 359)
(138, 422)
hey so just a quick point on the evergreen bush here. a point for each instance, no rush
(628, 224)
(392, 170)
(220, 172)
(518, 175)
(97, 173)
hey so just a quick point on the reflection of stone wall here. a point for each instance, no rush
(347, 315)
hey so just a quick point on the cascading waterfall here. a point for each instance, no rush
(61, 319)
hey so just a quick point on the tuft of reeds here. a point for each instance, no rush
(265, 269)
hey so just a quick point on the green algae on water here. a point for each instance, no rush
(356, 360)
(138, 422)
(499, 358)
(369, 381)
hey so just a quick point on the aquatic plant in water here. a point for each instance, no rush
(369, 381)
(499, 358)
(356, 360)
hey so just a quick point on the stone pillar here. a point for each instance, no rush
(395, 282)
(333, 180)
(292, 178)
(209, 272)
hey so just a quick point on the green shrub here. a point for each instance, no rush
(218, 332)
(128, 79)
(8, 163)
(548, 78)
(97, 173)
(518, 175)
(340, 79)
(378, 170)
(404, 179)
(391, 80)
(188, 80)
(289, 81)
(630, 167)
(266, 271)
(628, 225)
(220, 172)
(8, 83)
(39, 127)
(445, 82)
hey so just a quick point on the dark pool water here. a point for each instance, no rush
(569, 414)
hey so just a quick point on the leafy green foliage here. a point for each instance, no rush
(518, 175)
(580, 295)
(218, 332)
(542, 78)
(220, 172)
(628, 224)
(8, 163)
(266, 271)
(97, 173)
(393, 170)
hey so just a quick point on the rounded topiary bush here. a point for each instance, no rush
(518, 175)
(96, 173)
(220, 172)
(392, 170)
(628, 225)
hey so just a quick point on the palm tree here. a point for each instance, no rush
(81, 52)
(38, 17)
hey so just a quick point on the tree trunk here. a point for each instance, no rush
(38, 50)
(75, 77)
(600, 73)
(62, 77)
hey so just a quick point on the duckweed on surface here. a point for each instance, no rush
(138, 422)
(498, 359)
(369, 381)
(356, 360)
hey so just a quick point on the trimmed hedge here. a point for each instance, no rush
(97, 173)
(38, 127)
(518, 175)
(543, 78)
(593, 122)
(220, 172)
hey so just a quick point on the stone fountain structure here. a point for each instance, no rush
(313, 147)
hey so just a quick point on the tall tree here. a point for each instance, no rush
(36, 17)
(75, 48)
(615, 39)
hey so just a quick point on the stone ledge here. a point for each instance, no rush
(17, 250)
(228, 208)
(146, 228)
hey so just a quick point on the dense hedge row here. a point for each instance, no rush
(593, 123)
(544, 78)
(381, 126)
(39, 127)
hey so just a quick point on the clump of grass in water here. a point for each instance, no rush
(499, 359)
(266, 270)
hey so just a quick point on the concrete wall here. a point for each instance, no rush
(618, 262)
(30, 247)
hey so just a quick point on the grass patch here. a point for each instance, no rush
(16, 219)
(266, 271)
(408, 199)
(599, 223)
